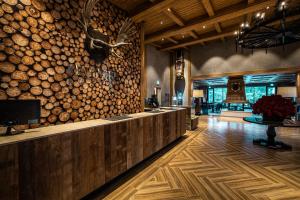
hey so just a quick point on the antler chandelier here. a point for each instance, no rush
(276, 30)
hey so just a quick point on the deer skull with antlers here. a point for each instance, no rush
(97, 43)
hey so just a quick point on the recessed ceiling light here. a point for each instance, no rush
(169, 9)
(162, 39)
(204, 27)
(268, 7)
(161, 22)
(182, 36)
(236, 32)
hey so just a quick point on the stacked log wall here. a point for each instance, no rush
(42, 39)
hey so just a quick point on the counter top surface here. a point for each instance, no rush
(64, 128)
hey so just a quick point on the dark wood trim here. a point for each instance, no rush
(172, 69)
(262, 71)
(189, 75)
(298, 87)
(143, 67)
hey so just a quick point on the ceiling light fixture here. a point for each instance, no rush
(161, 22)
(204, 27)
(273, 30)
(169, 9)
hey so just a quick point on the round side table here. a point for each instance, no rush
(270, 142)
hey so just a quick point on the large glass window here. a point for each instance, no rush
(220, 94)
(210, 95)
(255, 93)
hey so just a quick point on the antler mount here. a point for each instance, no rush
(97, 43)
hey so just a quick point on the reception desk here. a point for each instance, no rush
(71, 160)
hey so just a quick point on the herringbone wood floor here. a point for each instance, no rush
(219, 161)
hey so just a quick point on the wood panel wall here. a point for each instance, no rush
(71, 165)
(41, 39)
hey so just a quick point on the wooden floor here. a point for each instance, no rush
(219, 161)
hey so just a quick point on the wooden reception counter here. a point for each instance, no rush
(69, 161)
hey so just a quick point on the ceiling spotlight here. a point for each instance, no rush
(169, 9)
(262, 16)
(268, 7)
(162, 39)
(247, 25)
(257, 15)
(204, 27)
(161, 22)
(182, 36)
(236, 32)
(242, 25)
(282, 5)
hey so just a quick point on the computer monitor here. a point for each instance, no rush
(19, 112)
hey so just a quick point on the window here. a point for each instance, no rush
(271, 91)
(220, 95)
(255, 93)
(210, 95)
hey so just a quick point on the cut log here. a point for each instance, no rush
(19, 75)
(3, 95)
(20, 40)
(34, 81)
(7, 67)
(27, 60)
(13, 91)
(36, 90)
(64, 116)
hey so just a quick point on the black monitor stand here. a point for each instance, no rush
(10, 130)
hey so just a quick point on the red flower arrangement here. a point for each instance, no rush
(274, 108)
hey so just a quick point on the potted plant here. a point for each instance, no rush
(274, 108)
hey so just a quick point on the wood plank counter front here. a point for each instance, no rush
(69, 161)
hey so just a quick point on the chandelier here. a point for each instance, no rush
(280, 28)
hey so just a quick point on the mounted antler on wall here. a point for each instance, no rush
(97, 43)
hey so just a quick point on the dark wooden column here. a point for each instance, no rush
(298, 87)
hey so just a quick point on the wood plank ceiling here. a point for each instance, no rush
(172, 24)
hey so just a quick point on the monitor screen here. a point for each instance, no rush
(19, 112)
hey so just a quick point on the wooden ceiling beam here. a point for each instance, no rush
(210, 11)
(172, 40)
(228, 14)
(249, 16)
(156, 45)
(199, 41)
(229, 33)
(156, 8)
(193, 34)
(174, 16)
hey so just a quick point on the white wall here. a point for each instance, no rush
(157, 68)
(219, 57)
